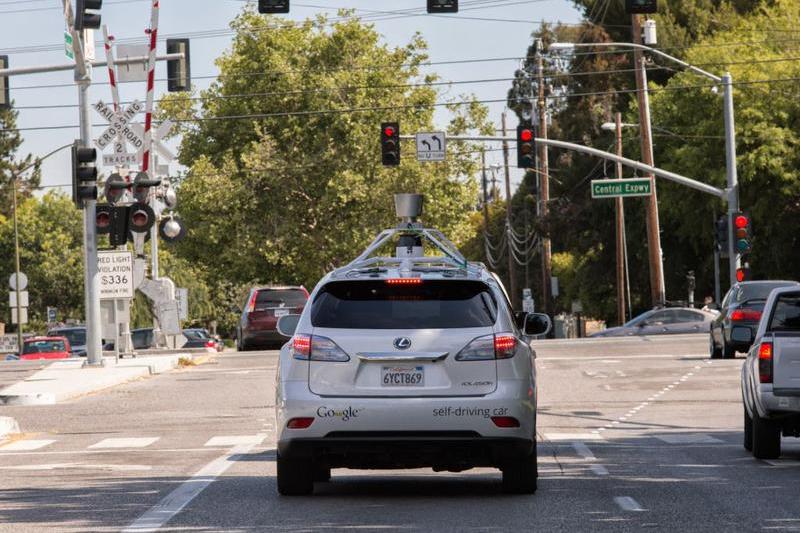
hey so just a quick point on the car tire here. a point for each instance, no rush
(728, 352)
(295, 478)
(714, 351)
(766, 438)
(520, 477)
(322, 474)
(748, 431)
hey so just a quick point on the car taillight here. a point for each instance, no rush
(505, 421)
(251, 305)
(765, 362)
(210, 344)
(317, 348)
(489, 347)
(745, 315)
(301, 422)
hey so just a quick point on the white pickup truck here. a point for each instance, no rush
(771, 376)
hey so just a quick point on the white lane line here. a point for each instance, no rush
(583, 450)
(175, 501)
(626, 503)
(599, 470)
(572, 436)
(124, 443)
(235, 440)
(79, 466)
(25, 445)
(690, 438)
(627, 357)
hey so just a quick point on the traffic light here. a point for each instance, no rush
(722, 235)
(526, 145)
(102, 219)
(179, 72)
(743, 273)
(5, 93)
(634, 7)
(87, 14)
(84, 174)
(390, 143)
(140, 218)
(743, 233)
(112, 220)
(273, 6)
(142, 184)
(442, 6)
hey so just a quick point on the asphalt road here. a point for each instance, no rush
(637, 433)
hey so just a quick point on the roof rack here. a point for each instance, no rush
(451, 261)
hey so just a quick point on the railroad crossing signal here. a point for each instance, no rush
(112, 220)
(87, 14)
(179, 72)
(273, 6)
(743, 233)
(5, 94)
(390, 144)
(142, 184)
(84, 174)
(526, 145)
(140, 218)
(442, 6)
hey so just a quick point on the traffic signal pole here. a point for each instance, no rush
(544, 180)
(732, 181)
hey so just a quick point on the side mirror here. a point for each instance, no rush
(537, 324)
(287, 324)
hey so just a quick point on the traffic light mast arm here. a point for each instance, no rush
(666, 174)
(64, 67)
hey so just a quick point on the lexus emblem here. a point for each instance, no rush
(402, 343)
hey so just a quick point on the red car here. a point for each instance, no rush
(263, 308)
(45, 348)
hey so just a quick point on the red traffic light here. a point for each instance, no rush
(742, 274)
(388, 131)
(741, 221)
(526, 135)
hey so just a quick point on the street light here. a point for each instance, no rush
(726, 80)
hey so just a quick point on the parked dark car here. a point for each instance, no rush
(200, 338)
(263, 307)
(735, 327)
(673, 320)
(76, 335)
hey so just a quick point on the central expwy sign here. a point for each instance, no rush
(623, 188)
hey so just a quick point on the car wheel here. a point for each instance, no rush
(295, 478)
(715, 352)
(766, 438)
(322, 474)
(520, 477)
(728, 352)
(748, 431)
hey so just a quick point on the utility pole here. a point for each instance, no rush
(512, 271)
(620, 224)
(485, 199)
(544, 179)
(657, 289)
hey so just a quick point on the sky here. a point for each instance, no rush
(32, 34)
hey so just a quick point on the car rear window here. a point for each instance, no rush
(758, 291)
(43, 347)
(380, 305)
(268, 298)
(76, 337)
(786, 316)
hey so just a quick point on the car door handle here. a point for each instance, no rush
(402, 357)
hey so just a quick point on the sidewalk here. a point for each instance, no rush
(63, 380)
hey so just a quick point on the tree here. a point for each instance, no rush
(12, 169)
(285, 180)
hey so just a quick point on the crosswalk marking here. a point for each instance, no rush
(235, 440)
(25, 445)
(124, 443)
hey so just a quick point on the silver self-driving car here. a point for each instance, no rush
(408, 361)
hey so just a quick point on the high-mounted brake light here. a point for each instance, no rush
(745, 315)
(404, 281)
(765, 362)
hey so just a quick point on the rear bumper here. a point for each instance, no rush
(776, 403)
(441, 450)
(262, 336)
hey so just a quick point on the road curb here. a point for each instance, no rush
(8, 427)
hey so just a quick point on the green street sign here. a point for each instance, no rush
(621, 188)
(68, 45)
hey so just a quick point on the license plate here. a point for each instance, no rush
(281, 312)
(403, 376)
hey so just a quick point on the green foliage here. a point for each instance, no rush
(295, 186)
(11, 168)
